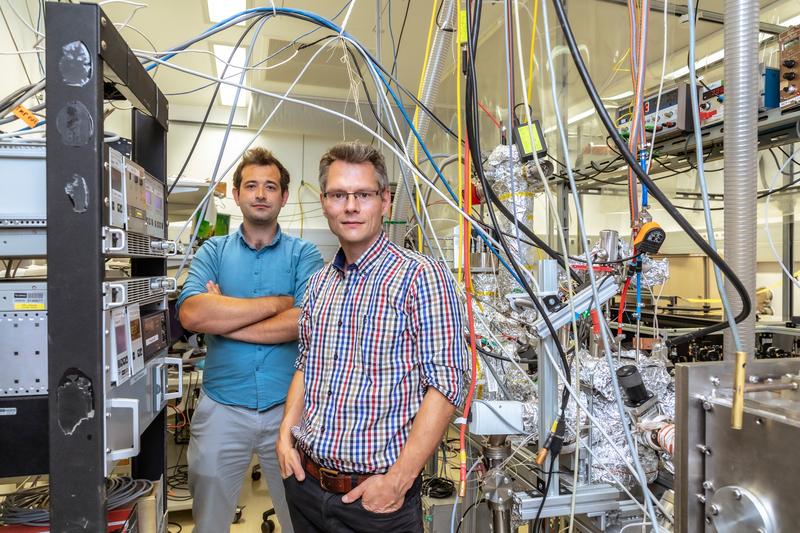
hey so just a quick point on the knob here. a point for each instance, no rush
(790, 89)
(705, 106)
(789, 63)
(789, 75)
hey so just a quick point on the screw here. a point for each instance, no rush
(737, 494)
(715, 510)
(715, 381)
(708, 485)
(707, 406)
(103, 45)
(506, 480)
(701, 498)
(103, 21)
(753, 379)
(708, 519)
(704, 449)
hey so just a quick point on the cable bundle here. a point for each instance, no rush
(31, 507)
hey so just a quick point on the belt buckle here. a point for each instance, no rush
(325, 473)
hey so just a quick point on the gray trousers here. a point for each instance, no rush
(223, 441)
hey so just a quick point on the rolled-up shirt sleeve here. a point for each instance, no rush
(437, 318)
(309, 262)
(203, 268)
(304, 328)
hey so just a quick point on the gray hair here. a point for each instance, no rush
(355, 153)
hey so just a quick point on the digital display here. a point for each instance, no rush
(120, 338)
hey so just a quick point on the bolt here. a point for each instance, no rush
(715, 381)
(708, 485)
(737, 494)
(708, 519)
(701, 498)
(707, 406)
(704, 449)
(103, 45)
(715, 510)
(103, 21)
(506, 480)
(752, 379)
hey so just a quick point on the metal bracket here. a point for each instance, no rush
(114, 240)
(170, 247)
(133, 405)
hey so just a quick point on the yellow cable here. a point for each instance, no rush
(416, 116)
(462, 249)
(533, 47)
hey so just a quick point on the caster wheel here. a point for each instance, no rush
(255, 475)
(267, 526)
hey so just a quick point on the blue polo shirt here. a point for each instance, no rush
(240, 373)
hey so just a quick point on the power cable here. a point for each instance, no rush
(652, 187)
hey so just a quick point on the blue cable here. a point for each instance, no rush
(332, 26)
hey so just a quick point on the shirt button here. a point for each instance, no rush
(335, 356)
(340, 322)
(329, 393)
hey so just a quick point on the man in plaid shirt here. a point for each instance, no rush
(381, 365)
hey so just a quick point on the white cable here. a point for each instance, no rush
(323, 109)
(772, 247)
(218, 58)
(10, 4)
(22, 52)
(590, 272)
(347, 18)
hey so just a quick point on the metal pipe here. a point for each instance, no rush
(437, 59)
(740, 139)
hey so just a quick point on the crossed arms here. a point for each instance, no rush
(262, 320)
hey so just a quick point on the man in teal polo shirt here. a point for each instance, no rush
(244, 291)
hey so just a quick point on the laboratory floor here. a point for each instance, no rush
(254, 498)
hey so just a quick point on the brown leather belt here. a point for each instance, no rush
(331, 480)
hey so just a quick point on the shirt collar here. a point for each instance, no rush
(275, 240)
(367, 260)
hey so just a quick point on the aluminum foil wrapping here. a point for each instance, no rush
(654, 271)
(516, 192)
(596, 374)
(530, 418)
(607, 464)
(598, 394)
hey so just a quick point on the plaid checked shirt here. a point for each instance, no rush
(373, 337)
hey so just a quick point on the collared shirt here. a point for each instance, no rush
(240, 373)
(374, 336)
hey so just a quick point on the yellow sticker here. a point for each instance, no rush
(462, 26)
(25, 115)
(29, 307)
(524, 136)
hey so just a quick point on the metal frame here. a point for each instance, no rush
(697, 384)
(86, 56)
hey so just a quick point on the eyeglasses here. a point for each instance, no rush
(340, 197)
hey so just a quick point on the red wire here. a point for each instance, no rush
(623, 295)
(471, 319)
(489, 114)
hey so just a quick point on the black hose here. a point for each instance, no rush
(538, 242)
(651, 186)
(473, 139)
